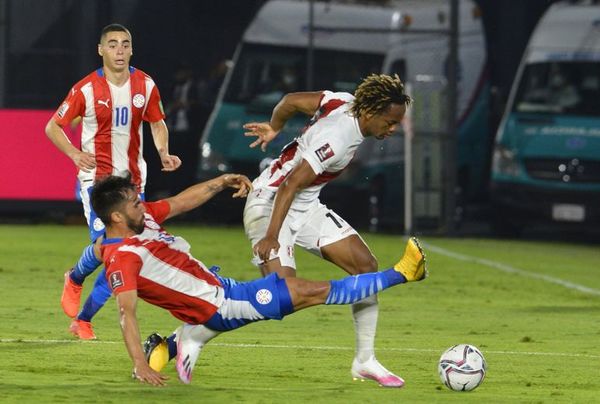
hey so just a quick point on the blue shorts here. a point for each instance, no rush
(247, 302)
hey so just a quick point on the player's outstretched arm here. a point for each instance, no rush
(199, 194)
(290, 104)
(127, 302)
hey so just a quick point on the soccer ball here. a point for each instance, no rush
(462, 367)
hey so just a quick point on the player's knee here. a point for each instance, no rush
(307, 293)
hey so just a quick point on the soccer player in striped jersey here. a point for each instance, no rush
(112, 102)
(143, 260)
(284, 209)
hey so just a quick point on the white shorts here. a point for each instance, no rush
(95, 225)
(310, 228)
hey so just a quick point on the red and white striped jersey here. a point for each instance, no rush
(112, 122)
(328, 144)
(160, 267)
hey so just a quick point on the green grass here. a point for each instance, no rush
(540, 338)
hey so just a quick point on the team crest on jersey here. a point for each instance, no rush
(63, 109)
(116, 280)
(98, 225)
(324, 152)
(139, 100)
(264, 296)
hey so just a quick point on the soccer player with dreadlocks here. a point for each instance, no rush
(284, 209)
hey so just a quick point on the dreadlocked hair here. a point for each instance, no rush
(376, 93)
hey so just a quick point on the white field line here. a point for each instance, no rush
(512, 270)
(302, 347)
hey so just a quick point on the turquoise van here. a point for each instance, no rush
(546, 161)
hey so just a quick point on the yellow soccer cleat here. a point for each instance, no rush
(156, 351)
(412, 265)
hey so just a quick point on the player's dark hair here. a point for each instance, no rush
(376, 93)
(108, 194)
(113, 28)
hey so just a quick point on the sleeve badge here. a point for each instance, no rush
(324, 152)
(63, 109)
(116, 280)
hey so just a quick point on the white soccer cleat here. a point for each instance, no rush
(190, 340)
(188, 350)
(373, 370)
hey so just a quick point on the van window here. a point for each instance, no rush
(570, 88)
(265, 73)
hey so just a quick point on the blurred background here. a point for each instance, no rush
(482, 152)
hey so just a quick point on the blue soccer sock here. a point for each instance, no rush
(353, 288)
(86, 265)
(172, 346)
(100, 294)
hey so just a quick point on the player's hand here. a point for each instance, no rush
(146, 374)
(264, 247)
(262, 131)
(170, 162)
(239, 182)
(84, 161)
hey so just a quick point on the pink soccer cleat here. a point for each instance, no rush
(373, 370)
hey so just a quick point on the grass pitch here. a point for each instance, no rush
(533, 308)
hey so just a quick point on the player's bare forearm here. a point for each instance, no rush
(82, 160)
(290, 104)
(283, 200)
(58, 137)
(160, 136)
(199, 194)
(301, 177)
(127, 302)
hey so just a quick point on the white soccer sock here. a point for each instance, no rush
(201, 334)
(191, 339)
(365, 313)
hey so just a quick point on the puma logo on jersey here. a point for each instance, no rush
(105, 103)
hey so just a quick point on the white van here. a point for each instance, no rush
(271, 61)
(546, 165)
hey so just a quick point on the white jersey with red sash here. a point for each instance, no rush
(112, 122)
(328, 144)
(160, 267)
